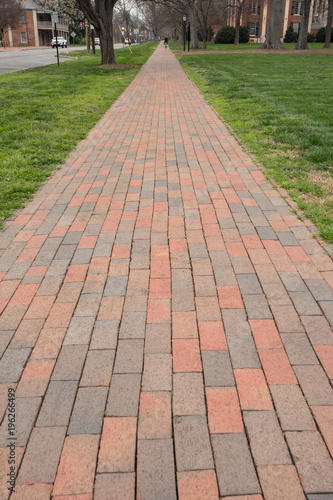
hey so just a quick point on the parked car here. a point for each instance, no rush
(97, 41)
(62, 42)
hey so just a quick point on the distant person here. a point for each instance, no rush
(166, 42)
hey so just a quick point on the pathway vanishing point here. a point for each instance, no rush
(165, 318)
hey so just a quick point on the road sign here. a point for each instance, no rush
(73, 34)
(54, 17)
(92, 27)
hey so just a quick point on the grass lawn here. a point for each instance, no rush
(46, 111)
(280, 105)
(241, 46)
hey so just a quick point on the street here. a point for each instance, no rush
(18, 60)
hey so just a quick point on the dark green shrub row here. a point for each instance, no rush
(319, 37)
(227, 34)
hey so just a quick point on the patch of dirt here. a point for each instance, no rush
(325, 182)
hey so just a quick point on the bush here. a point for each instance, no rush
(290, 36)
(244, 36)
(227, 34)
(311, 38)
(320, 36)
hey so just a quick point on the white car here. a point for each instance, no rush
(60, 40)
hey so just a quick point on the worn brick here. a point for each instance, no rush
(77, 465)
(117, 448)
(133, 325)
(116, 486)
(88, 411)
(197, 485)
(266, 440)
(212, 337)
(224, 415)
(314, 385)
(193, 450)
(35, 378)
(299, 349)
(265, 333)
(124, 394)
(184, 325)
(129, 357)
(105, 335)
(280, 482)
(318, 330)
(235, 322)
(98, 368)
(155, 470)
(243, 352)
(324, 419)
(186, 355)
(157, 374)
(49, 343)
(291, 408)
(57, 404)
(155, 415)
(70, 362)
(79, 330)
(234, 467)
(217, 369)
(42, 455)
(312, 460)
(188, 394)
(23, 406)
(12, 364)
(252, 390)
(158, 338)
(276, 366)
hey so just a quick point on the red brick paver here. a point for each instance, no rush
(166, 321)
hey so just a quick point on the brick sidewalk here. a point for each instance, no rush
(165, 317)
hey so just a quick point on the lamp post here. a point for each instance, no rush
(184, 31)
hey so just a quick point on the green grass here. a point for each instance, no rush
(46, 111)
(241, 46)
(280, 105)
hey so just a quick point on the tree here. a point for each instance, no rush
(302, 42)
(239, 10)
(273, 39)
(329, 25)
(11, 14)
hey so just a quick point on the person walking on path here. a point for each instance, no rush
(165, 318)
(166, 42)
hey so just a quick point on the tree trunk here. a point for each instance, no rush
(239, 14)
(273, 39)
(100, 15)
(302, 42)
(194, 29)
(204, 36)
(329, 25)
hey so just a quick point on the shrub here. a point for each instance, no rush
(227, 34)
(311, 38)
(320, 36)
(290, 36)
(244, 36)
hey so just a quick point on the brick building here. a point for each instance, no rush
(36, 28)
(256, 14)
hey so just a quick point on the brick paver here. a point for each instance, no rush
(166, 320)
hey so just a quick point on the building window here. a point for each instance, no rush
(254, 8)
(253, 29)
(23, 37)
(297, 9)
(296, 27)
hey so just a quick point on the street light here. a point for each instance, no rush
(184, 31)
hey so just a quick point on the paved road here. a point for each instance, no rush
(18, 60)
(166, 319)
